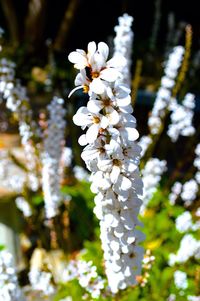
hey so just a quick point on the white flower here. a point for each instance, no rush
(180, 280)
(41, 281)
(9, 287)
(94, 122)
(144, 143)
(189, 192)
(24, 206)
(97, 68)
(184, 222)
(175, 192)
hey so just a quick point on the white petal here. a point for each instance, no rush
(122, 102)
(81, 117)
(105, 165)
(114, 174)
(81, 51)
(124, 182)
(103, 49)
(127, 109)
(81, 78)
(97, 86)
(130, 167)
(91, 48)
(117, 61)
(92, 133)
(113, 117)
(94, 105)
(82, 140)
(131, 134)
(109, 74)
(104, 122)
(78, 59)
(97, 62)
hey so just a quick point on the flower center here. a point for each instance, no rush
(95, 75)
(85, 89)
(96, 119)
(106, 102)
(116, 162)
(132, 255)
(101, 150)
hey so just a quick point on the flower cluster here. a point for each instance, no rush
(196, 164)
(188, 191)
(51, 156)
(87, 276)
(180, 280)
(184, 222)
(112, 156)
(164, 93)
(12, 178)
(9, 287)
(144, 143)
(123, 43)
(189, 247)
(40, 278)
(175, 192)
(26, 134)
(7, 74)
(181, 118)
(151, 176)
(18, 102)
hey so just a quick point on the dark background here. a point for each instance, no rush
(94, 20)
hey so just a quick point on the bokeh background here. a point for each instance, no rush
(38, 36)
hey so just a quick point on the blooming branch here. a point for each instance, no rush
(112, 156)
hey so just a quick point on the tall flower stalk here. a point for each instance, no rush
(165, 91)
(112, 156)
(123, 44)
(53, 145)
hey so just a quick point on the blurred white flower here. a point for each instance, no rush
(175, 192)
(181, 118)
(163, 97)
(144, 143)
(24, 206)
(189, 191)
(151, 176)
(9, 287)
(189, 247)
(80, 173)
(51, 157)
(180, 280)
(193, 298)
(184, 222)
